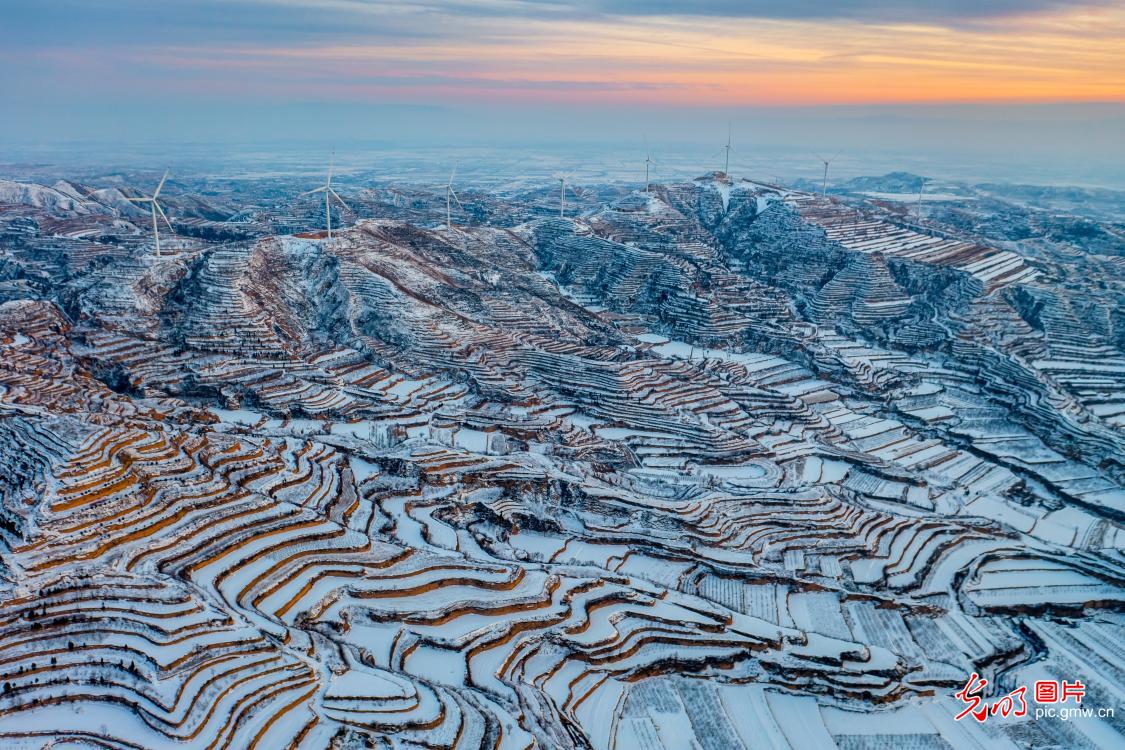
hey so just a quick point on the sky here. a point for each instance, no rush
(1037, 82)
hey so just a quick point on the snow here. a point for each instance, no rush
(110, 718)
(999, 510)
(798, 716)
(932, 413)
(473, 440)
(739, 471)
(438, 665)
(750, 521)
(724, 193)
(361, 469)
(30, 194)
(673, 729)
(1055, 364)
(238, 416)
(913, 197)
(623, 433)
(752, 717)
(540, 545)
(684, 350)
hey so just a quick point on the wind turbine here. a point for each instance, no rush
(648, 163)
(563, 178)
(824, 185)
(921, 187)
(156, 209)
(329, 193)
(450, 196)
(726, 162)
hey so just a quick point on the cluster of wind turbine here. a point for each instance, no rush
(826, 162)
(156, 209)
(329, 194)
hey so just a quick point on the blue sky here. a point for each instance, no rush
(1035, 80)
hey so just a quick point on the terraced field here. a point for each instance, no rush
(719, 466)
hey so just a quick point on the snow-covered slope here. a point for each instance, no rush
(708, 466)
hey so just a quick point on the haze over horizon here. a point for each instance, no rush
(1035, 88)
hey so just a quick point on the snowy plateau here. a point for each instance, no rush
(720, 464)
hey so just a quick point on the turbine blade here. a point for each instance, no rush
(337, 197)
(138, 200)
(163, 215)
(310, 192)
(161, 185)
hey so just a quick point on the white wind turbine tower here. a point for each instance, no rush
(329, 193)
(726, 161)
(156, 209)
(648, 163)
(450, 197)
(921, 187)
(563, 180)
(826, 162)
